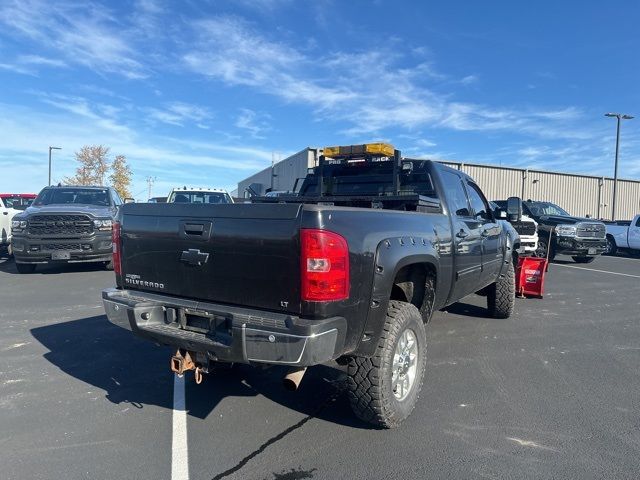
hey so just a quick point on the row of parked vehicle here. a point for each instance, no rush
(72, 224)
(74, 213)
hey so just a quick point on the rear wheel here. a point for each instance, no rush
(611, 247)
(384, 389)
(583, 259)
(25, 267)
(501, 295)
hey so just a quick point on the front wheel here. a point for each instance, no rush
(583, 259)
(25, 267)
(501, 295)
(384, 389)
(611, 247)
(543, 246)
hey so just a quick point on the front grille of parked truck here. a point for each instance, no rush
(524, 228)
(591, 230)
(52, 247)
(40, 225)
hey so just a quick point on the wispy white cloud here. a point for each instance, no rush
(228, 50)
(469, 79)
(557, 124)
(371, 91)
(264, 5)
(92, 37)
(38, 60)
(103, 115)
(16, 68)
(28, 64)
(255, 123)
(179, 113)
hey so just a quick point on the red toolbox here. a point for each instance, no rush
(530, 276)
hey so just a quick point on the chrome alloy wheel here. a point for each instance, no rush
(405, 364)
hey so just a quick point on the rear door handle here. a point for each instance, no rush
(462, 234)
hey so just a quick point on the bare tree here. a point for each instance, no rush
(94, 164)
(120, 177)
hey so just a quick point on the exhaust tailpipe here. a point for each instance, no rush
(291, 380)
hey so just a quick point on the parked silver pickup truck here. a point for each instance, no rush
(623, 235)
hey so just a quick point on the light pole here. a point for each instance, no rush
(51, 148)
(619, 117)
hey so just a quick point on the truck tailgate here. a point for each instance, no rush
(244, 254)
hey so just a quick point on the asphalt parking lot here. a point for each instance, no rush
(553, 392)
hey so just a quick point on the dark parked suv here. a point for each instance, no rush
(65, 224)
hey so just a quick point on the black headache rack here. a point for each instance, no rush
(410, 202)
(394, 199)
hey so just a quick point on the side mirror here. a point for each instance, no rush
(514, 209)
(129, 200)
(501, 214)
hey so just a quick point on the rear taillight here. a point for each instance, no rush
(325, 266)
(117, 252)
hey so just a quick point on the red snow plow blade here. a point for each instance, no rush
(530, 276)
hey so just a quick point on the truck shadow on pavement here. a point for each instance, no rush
(136, 372)
(467, 310)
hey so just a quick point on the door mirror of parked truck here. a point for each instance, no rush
(514, 209)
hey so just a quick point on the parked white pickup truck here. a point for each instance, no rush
(6, 215)
(10, 205)
(526, 227)
(623, 235)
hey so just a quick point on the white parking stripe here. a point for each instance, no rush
(611, 257)
(179, 446)
(595, 270)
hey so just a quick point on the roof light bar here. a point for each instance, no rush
(354, 151)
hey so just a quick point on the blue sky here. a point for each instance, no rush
(204, 92)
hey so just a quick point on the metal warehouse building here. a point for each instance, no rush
(282, 176)
(580, 195)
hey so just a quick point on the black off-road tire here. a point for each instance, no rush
(370, 389)
(583, 259)
(501, 295)
(25, 267)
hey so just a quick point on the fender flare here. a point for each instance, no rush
(392, 254)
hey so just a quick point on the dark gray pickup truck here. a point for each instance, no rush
(350, 269)
(582, 238)
(65, 224)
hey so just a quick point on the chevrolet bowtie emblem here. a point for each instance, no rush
(194, 256)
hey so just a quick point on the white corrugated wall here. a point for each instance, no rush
(578, 194)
